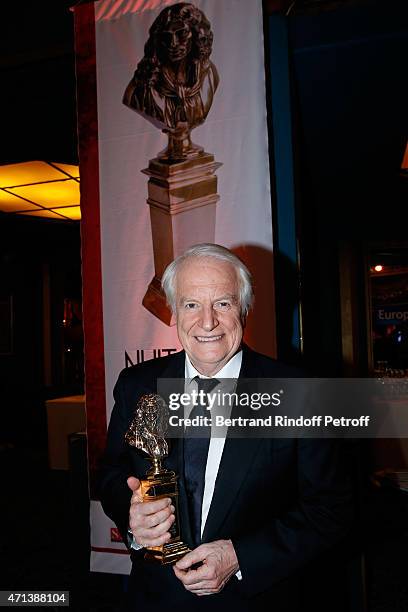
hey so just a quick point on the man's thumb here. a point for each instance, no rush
(133, 483)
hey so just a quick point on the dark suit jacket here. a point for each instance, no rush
(281, 501)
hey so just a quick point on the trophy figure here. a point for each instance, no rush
(173, 88)
(146, 433)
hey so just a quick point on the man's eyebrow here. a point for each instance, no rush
(184, 300)
(226, 296)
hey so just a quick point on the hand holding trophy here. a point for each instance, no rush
(146, 433)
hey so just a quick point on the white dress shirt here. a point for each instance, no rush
(230, 370)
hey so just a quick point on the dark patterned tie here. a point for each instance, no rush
(196, 443)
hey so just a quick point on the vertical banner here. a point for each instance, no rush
(197, 72)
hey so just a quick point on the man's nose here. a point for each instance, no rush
(209, 319)
(174, 40)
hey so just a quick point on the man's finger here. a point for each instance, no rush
(193, 576)
(133, 483)
(191, 583)
(159, 517)
(195, 556)
(155, 532)
(151, 507)
(187, 577)
(204, 588)
(156, 541)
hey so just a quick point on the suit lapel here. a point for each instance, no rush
(175, 366)
(236, 460)
(176, 370)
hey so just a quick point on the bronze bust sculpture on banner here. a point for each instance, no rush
(173, 88)
(175, 82)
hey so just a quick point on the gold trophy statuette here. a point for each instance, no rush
(146, 433)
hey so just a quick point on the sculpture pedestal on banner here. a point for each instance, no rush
(182, 200)
(173, 88)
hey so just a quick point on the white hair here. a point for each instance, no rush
(215, 251)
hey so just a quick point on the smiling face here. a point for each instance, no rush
(209, 322)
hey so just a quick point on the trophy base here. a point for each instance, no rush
(166, 554)
(158, 484)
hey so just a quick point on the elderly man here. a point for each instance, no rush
(253, 511)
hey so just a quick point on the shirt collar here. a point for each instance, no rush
(230, 370)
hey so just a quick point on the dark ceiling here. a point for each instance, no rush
(38, 68)
(38, 82)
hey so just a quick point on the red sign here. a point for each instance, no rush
(115, 535)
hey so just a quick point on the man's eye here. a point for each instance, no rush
(224, 305)
(190, 306)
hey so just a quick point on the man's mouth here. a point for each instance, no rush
(208, 338)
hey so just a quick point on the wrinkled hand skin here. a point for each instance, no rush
(219, 563)
(149, 521)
